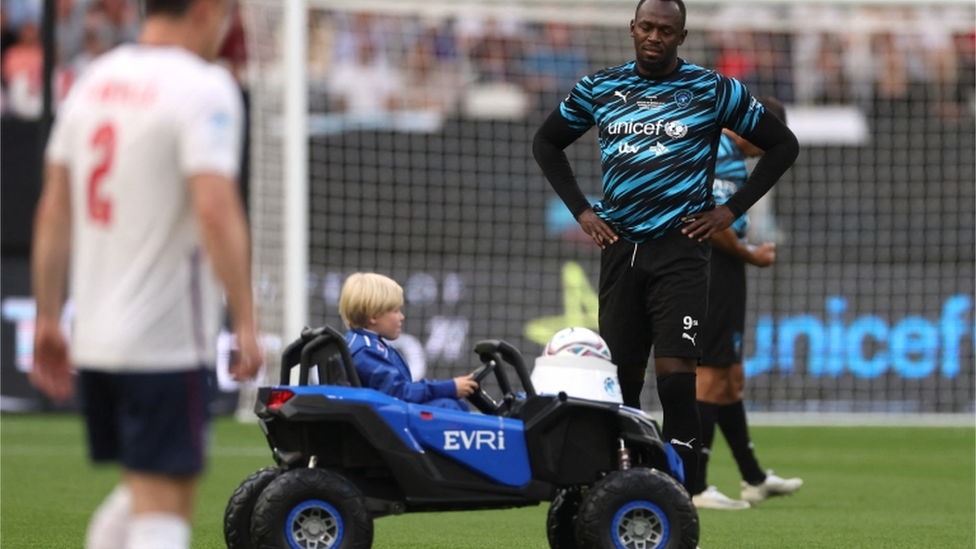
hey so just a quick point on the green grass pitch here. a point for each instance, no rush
(865, 487)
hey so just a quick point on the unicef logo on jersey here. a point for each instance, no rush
(683, 98)
(676, 130)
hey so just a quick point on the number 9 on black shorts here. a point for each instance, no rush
(654, 293)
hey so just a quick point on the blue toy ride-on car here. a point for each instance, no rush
(346, 454)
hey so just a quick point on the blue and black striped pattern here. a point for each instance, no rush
(730, 173)
(658, 139)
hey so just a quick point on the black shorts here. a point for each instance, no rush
(149, 422)
(726, 317)
(653, 294)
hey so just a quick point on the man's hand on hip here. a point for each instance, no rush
(702, 225)
(598, 229)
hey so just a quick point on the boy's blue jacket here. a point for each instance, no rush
(381, 367)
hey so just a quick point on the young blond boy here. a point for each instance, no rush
(370, 306)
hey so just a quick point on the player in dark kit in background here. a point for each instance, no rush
(660, 120)
(721, 377)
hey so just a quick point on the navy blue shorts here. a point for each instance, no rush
(149, 422)
(726, 318)
(653, 294)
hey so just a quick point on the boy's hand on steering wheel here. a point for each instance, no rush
(466, 385)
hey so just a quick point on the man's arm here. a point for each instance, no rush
(220, 214)
(781, 149)
(378, 370)
(548, 147)
(727, 242)
(50, 255)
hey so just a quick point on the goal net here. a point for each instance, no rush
(420, 120)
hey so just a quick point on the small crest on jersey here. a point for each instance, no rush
(220, 120)
(683, 98)
(676, 129)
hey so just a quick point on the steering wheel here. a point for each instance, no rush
(483, 371)
(493, 353)
(480, 398)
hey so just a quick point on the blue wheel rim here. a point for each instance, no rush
(640, 525)
(314, 524)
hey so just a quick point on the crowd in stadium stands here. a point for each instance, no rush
(416, 64)
(368, 63)
(84, 29)
(875, 68)
(363, 65)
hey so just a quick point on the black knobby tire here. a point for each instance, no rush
(637, 508)
(237, 516)
(311, 509)
(561, 522)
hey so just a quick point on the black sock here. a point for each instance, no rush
(708, 413)
(732, 421)
(631, 392)
(682, 427)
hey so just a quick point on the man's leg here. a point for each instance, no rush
(677, 300)
(100, 399)
(162, 508)
(631, 384)
(707, 413)
(714, 390)
(109, 526)
(682, 428)
(709, 388)
(155, 425)
(722, 347)
(732, 420)
(756, 484)
(624, 322)
(165, 422)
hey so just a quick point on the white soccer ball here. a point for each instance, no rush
(577, 341)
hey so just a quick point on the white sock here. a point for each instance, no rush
(110, 523)
(158, 531)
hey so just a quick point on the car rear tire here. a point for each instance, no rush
(311, 509)
(237, 516)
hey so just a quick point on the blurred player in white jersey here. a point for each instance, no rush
(141, 201)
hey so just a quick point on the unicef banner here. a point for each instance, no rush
(863, 336)
(868, 346)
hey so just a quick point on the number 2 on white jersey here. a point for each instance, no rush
(99, 205)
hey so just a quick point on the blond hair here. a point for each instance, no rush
(366, 296)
